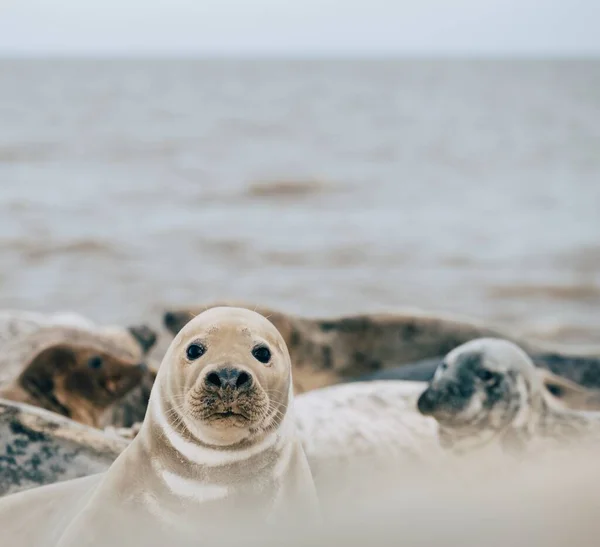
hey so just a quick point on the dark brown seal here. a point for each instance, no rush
(85, 382)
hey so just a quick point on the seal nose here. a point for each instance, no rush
(426, 403)
(229, 377)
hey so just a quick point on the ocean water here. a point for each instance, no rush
(317, 187)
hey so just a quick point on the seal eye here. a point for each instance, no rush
(95, 362)
(262, 354)
(195, 351)
(486, 375)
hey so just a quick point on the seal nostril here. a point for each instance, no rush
(213, 379)
(242, 380)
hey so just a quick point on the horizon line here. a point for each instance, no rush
(299, 55)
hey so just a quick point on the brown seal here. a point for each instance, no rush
(80, 381)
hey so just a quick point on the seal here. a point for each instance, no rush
(218, 441)
(83, 380)
(38, 447)
(330, 351)
(488, 391)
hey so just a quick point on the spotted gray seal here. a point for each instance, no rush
(488, 391)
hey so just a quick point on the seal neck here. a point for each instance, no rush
(168, 441)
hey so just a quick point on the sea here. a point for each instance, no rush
(317, 187)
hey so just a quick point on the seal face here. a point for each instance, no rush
(235, 376)
(482, 385)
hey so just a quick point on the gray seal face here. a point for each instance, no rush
(485, 384)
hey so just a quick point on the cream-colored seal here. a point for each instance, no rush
(488, 391)
(218, 441)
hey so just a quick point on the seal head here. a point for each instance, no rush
(78, 381)
(482, 387)
(228, 380)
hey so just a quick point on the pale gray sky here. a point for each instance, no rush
(533, 27)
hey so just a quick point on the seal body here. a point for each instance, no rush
(218, 441)
(38, 447)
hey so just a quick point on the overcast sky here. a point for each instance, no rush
(481, 27)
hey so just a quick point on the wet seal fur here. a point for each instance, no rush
(488, 391)
(38, 447)
(329, 351)
(219, 432)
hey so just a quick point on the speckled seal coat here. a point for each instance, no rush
(38, 447)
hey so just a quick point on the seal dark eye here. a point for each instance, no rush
(95, 362)
(555, 390)
(486, 375)
(195, 351)
(262, 354)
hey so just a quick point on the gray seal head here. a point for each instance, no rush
(489, 389)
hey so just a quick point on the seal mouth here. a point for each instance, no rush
(228, 413)
(227, 418)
